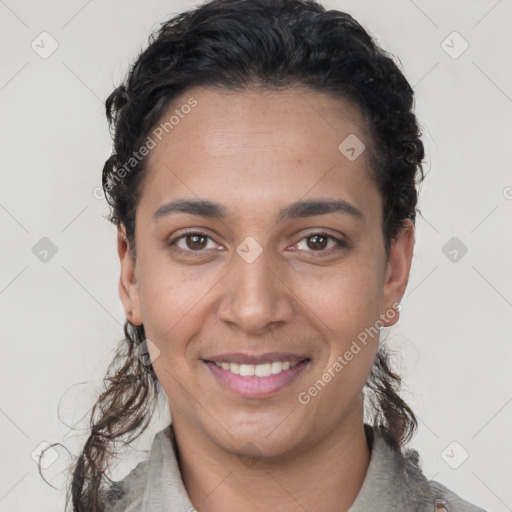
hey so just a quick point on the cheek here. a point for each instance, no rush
(171, 299)
(173, 305)
(348, 306)
(344, 300)
(345, 306)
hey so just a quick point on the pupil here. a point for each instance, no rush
(319, 245)
(195, 243)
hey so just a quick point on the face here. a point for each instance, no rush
(260, 265)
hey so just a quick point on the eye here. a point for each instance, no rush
(319, 242)
(193, 242)
(197, 242)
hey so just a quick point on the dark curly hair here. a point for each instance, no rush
(236, 45)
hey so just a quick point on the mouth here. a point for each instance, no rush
(256, 376)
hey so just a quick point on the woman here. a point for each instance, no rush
(263, 181)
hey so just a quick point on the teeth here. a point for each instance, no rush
(247, 370)
(258, 370)
(276, 367)
(263, 370)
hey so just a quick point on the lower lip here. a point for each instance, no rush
(256, 386)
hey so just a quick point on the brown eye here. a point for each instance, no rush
(317, 242)
(321, 243)
(196, 241)
(193, 242)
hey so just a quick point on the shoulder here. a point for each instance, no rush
(395, 481)
(154, 484)
(445, 500)
(126, 495)
(436, 496)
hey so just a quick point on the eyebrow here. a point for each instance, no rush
(295, 210)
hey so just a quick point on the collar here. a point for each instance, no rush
(393, 481)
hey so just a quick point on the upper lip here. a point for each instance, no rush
(267, 357)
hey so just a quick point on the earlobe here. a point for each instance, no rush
(128, 286)
(397, 272)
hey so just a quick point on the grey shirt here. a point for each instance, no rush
(392, 483)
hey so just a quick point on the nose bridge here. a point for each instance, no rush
(255, 297)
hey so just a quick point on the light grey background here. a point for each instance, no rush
(61, 319)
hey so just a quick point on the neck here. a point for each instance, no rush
(327, 476)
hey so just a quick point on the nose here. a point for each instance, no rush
(256, 297)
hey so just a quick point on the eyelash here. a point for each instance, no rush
(340, 244)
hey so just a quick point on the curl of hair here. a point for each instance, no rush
(237, 45)
(383, 404)
(120, 415)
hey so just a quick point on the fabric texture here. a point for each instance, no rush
(392, 483)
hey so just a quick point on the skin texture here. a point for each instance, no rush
(256, 152)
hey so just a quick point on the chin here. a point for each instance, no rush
(269, 436)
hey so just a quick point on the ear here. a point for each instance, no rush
(397, 272)
(128, 286)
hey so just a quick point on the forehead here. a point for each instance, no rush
(259, 148)
(222, 120)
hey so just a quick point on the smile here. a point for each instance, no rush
(256, 380)
(257, 370)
